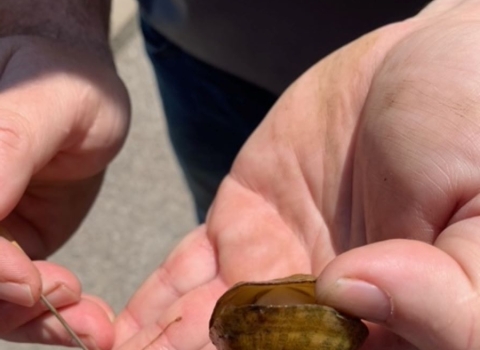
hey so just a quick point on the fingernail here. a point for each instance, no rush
(360, 299)
(17, 293)
(61, 295)
(111, 316)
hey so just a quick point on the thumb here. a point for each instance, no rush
(413, 289)
(20, 281)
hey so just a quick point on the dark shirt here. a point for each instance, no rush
(270, 43)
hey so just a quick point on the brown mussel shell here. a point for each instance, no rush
(281, 314)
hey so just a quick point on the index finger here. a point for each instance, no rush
(191, 265)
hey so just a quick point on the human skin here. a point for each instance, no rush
(63, 116)
(366, 174)
(364, 170)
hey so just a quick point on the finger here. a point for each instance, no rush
(55, 208)
(189, 315)
(418, 291)
(102, 304)
(38, 125)
(87, 318)
(60, 287)
(20, 281)
(190, 265)
(17, 159)
(75, 142)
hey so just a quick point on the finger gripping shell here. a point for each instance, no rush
(281, 314)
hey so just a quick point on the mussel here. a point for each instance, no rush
(281, 314)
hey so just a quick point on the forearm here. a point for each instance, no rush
(78, 22)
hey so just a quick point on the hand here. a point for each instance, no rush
(371, 156)
(63, 116)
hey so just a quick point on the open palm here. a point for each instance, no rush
(352, 156)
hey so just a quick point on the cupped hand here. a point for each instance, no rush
(63, 116)
(365, 173)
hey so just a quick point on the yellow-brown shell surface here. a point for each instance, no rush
(281, 314)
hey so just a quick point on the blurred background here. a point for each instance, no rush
(144, 208)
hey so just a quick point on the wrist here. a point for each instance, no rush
(77, 23)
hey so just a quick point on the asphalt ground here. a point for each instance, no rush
(144, 208)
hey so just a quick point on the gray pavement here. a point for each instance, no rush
(143, 209)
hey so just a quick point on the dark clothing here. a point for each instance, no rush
(225, 62)
(209, 114)
(266, 42)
